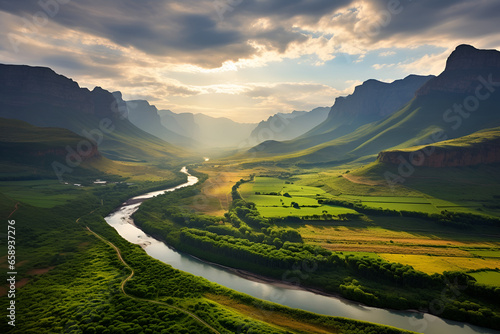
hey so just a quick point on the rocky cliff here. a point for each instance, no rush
(41, 97)
(371, 101)
(463, 69)
(45, 87)
(479, 148)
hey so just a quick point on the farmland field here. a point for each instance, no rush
(487, 253)
(275, 197)
(439, 264)
(489, 277)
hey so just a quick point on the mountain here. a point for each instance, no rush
(41, 97)
(283, 126)
(210, 132)
(460, 101)
(371, 101)
(146, 117)
(482, 147)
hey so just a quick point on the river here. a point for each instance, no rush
(278, 293)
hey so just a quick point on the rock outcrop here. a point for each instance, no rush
(45, 87)
(463, 70)
(371, 101)
(472, 150)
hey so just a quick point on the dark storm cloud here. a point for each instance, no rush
(462, 18)
(161, 28)
(291, 8)
(190, 31)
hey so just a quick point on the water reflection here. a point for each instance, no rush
(306, 300)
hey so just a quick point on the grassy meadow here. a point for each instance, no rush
(422, 244)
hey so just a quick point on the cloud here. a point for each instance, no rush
(387, 53)
(189, 55)
(258, 32)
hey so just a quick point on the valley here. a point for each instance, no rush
(383, 205)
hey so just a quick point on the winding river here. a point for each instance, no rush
(278, 293)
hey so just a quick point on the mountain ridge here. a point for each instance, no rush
(283, 126)
(444, 104)
(41, 97)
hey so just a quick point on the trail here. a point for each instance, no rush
(132, 272)
(15, 209)
(360, 180)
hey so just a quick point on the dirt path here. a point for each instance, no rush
(15, 209)
(132, 272)
(360, 180)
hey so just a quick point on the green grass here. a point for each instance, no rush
(280, 205)
(268, 212)
(489, 277)
(41, 193)
(268, 200)
(486, 253)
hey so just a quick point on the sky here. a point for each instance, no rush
(241, 59)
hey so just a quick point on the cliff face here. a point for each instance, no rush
(463, 68)
(370, 102)
(30, 86)
(452, 156)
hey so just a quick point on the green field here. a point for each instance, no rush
(274, 197)
(486, 253)
(487, 277)
(267, 212)
(41, 193)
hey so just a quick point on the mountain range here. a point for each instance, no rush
(377, 116)
(207, 131)
(282, 126)
(460, 101)
(40, 97)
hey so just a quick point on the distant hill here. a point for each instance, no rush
(27, 151)
(371, 101)
(146, 117)
(41, 97)
(460, 101)
(482, 147)
(283, 126)
(209, 132)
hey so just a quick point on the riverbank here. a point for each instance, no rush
(281, 292)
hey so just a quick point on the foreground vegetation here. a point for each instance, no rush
(279, 244)
(69, 280)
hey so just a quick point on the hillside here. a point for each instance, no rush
(41, 97)
(482, 147)
(27, 151)
(372, 101)
(441, 110)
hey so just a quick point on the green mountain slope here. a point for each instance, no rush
(445, 107)
(41, 97)
(482, 147)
